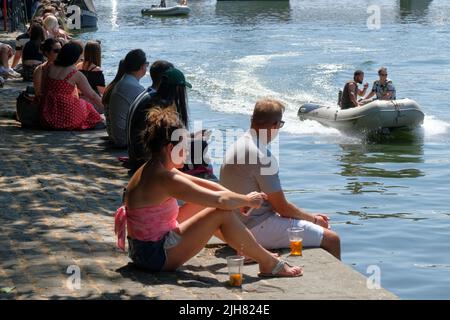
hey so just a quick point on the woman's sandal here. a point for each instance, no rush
(276, 270)
(249, 260)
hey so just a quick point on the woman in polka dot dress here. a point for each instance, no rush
(61, 107)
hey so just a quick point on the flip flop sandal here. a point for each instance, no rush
(275, 271)
(249, 260)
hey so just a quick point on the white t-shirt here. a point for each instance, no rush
(249, 166)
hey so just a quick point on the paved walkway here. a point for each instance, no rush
(58, 194)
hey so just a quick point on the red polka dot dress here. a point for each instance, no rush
(62, 108)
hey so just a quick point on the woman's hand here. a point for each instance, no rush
(256, 199)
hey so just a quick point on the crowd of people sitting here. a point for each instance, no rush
(163, 235)
(247, 209)
(47, 22)
(71, 92)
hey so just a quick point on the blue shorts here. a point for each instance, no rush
(151, 255)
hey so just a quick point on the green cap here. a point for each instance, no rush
(175, 76)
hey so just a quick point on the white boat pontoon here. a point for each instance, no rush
(379, 114)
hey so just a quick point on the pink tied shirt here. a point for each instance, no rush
(146, 224)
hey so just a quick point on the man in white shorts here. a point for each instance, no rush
(249, 166)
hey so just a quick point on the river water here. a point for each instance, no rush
(388, 197)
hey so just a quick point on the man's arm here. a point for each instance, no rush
(363, 91)
(370, 95)
(353, 98)
(288, 210)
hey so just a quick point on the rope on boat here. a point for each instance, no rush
(397, 108)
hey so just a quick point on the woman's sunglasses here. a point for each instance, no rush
(280, 123)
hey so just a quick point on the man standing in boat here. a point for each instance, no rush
(351, 92)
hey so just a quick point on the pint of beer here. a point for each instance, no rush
(296, 240)
(236, 279)
(235, 266)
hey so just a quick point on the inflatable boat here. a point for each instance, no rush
(167, 11)
(378, 114)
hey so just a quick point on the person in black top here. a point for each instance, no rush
(349, 98)
(91, 67)
(22, 40)
(31, 54)
(138, 113)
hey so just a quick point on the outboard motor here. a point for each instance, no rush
(306, 108)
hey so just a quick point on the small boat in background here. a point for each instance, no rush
(379, 114)
(88, 17)
(177, 10)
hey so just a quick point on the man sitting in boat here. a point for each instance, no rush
(351, 92)
(249, 165)
(163, 4)
(383, 88)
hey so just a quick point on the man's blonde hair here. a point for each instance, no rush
(267, 111)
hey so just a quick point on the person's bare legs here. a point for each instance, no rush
(188, 210)
(331, 243)
(197, 230)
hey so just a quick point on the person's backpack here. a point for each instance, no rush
(28, 110)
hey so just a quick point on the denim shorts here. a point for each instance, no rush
(151, 255)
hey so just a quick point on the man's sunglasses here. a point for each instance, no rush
(56, 50)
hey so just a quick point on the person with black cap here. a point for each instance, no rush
(168, 89)
(349, 97)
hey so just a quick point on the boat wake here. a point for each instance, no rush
(434, 127)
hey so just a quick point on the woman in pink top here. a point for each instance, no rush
(163, 236)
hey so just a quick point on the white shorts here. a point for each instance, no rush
(272, 232)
